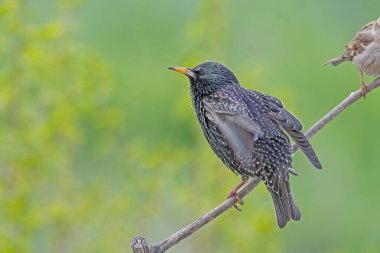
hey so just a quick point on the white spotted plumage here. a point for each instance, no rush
(245, 129)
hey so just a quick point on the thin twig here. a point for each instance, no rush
(354, 96)
(199, 223)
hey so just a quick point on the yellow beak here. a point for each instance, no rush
(183, 70)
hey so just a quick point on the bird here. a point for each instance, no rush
(364, 52)
(248, 130)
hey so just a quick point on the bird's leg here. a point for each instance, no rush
(233, 192)
(364, 88)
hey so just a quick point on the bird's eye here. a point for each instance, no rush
(196, 71)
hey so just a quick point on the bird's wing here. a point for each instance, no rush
(276, 111)
(362, 39)
(237, 128)
(356, 46)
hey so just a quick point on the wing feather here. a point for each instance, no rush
(361, 40)
(277, 112)
(240, 130)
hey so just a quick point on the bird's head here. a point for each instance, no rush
(208, 77)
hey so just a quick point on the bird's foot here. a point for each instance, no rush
(233, 192)
(364, 89)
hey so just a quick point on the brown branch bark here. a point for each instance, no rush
(354, 96)
(140, 245)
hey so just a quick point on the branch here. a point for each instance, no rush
(140, 245)
(354, 96)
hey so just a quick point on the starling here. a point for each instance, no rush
(245, 129)
(364, 51)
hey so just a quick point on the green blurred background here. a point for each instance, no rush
(99, 142)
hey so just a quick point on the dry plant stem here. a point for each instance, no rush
(139, 244)
(338, 109)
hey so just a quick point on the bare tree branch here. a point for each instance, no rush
(354, 96)
(140, 245)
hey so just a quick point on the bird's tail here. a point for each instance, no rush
(336, 61)
(284, 204)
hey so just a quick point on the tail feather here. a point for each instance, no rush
(336, 61)
(282, 218)
(284, 205)
(295, 211)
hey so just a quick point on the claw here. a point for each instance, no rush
(364, 90)
(239, 200)
(233, 192)
(237, 208)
